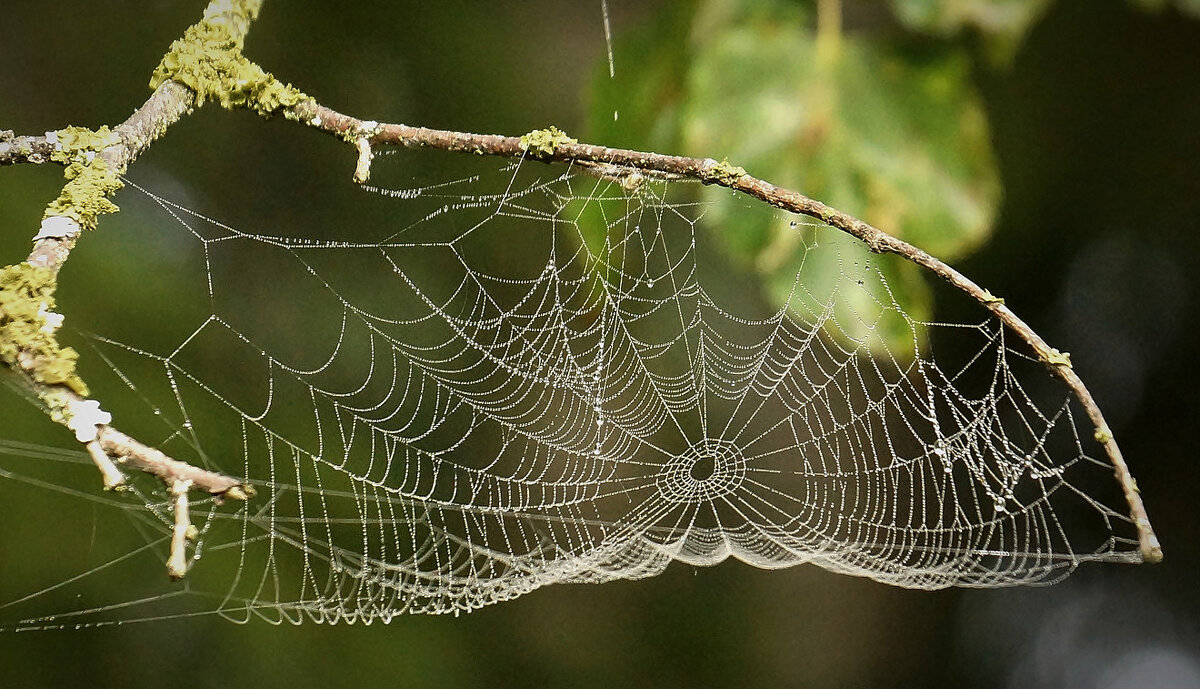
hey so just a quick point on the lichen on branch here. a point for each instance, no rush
(543, 142)
(27, 328)
(91, 178)
(208, 60)
(724, 173)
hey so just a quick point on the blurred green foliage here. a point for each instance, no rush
(882, 127)
(1003, 23)
(1190, 7)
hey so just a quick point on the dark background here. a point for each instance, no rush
(1097, 130)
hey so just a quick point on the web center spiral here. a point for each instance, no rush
(705, 471)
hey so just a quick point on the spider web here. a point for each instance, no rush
(542, 375)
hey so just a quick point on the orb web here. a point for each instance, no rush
(540, 375)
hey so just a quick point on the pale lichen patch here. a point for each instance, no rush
(84, 417)
(57, 227)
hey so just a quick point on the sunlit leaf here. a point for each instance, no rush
(893, 134)
(1004, 23)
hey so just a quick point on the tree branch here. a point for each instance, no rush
(710, 171)
(94, 161)
(183, 530)
(207, 65)
(23, 149)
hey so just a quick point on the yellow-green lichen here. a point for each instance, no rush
(1056, 358)
(58, 405)
(990, 298)
(90, 178)
(724, 173)
(62, 405)
(85, 195)
(543, 142)
(1103, 435)
(209, 61)
(27, 340)
(80, 144)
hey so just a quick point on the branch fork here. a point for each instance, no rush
(94, 161)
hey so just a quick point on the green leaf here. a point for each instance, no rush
(890, 133)
(1004, 23)
(1190, 7)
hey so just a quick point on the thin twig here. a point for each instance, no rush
(177, 562)
(128, 452)
(113, 478)
(24, 149)
(362, 170)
